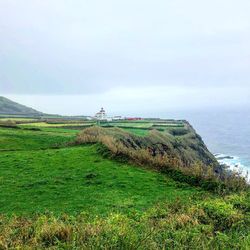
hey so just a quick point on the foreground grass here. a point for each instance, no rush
(211, 224)
(78, 179)
(58, 197)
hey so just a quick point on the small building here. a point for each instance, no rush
(133, 118)
(117, 118)
(101, 115)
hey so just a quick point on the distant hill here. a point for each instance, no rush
(8, 107)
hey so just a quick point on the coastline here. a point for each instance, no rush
(234, 164)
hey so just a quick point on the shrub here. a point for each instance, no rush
(8, 124)
(239, 201)
(178, 131)
(222, 214)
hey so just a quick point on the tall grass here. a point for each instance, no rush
(209, 224)
(8, 123)
(121, 145)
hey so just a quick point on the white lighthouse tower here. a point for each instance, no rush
(101, 115)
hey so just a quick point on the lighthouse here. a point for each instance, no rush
(101, 115)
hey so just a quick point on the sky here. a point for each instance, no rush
(131, 57)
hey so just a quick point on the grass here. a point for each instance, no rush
(19, 119)
(137, 131)
(45, 124)
(60, 130)
(161, 150)
(19, 139)
(211, 224)
(58, 197)
(78, 178)
(132, 124)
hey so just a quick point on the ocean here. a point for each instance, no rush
(226, 133)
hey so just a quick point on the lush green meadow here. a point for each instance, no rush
(40, 172)
(55, 195)
(13, 139)
(136, 131)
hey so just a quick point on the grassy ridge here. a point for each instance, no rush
(78, 178)
(73, 198)
(9, 107)
(183, 156)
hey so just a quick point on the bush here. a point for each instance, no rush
(222, 214)
(178, 131)
(53, 232)
(8, 124)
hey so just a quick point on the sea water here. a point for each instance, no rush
(226, 133)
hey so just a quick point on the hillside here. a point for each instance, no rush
(8, 107)
(178, 151)
(59, 195)
(181, 145)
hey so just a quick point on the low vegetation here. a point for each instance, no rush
(139, 187)
(8, 123)
(210, 224)
(183, 156)
(79, 179)
(14, 138)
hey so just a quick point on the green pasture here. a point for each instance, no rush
(45, 124)
(20, 139)
(36, 177)
(132, 124)
(137, 131)
(18, 119)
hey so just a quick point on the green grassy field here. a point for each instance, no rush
(34, 175)
(140, 128)
(58, 196)
(44, 124)
(18, 119)
(136, 131)
(77, 179)
(133, 124)
(20, 139)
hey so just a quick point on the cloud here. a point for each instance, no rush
(87, 47)
(140, 101)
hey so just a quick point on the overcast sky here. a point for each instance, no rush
(132, 57)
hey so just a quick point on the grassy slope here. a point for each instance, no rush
(77, 178)
(9, 107)
(18, 139)
(136, 131)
